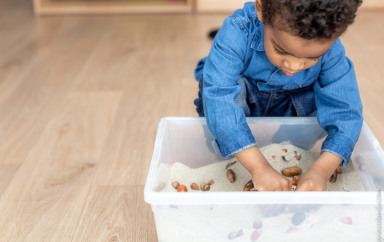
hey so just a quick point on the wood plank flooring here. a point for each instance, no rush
(80, 101)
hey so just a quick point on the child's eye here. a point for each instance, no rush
(278, 51)
(283, 53)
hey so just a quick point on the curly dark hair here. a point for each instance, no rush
(310, 19)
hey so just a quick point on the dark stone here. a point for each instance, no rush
(298, 218)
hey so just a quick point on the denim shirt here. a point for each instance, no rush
(238, 50)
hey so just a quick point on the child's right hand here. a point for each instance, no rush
(268, 179)
(264, 177)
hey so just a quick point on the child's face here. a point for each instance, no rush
(292, 54)
(289, 53)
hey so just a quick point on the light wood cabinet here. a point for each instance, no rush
(46, 7)
(210, 6)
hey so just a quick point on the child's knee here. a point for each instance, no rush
(199, 100)
(199, 69)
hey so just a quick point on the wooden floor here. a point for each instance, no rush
(80, 101)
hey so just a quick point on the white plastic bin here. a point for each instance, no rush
(296, 216)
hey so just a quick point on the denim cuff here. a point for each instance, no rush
(235, 140)
(340, 145)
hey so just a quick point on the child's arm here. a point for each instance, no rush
(316, 177)
(264, 177)
(339, 112)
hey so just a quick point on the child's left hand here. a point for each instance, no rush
(316, 177)
(312, 181)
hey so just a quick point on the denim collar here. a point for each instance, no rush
(258, 39)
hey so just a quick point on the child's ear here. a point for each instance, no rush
(258, 10)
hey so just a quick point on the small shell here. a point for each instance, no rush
(333, 177)
(346, 220)
(194, 186)
(339, 169)
(211, 182)
(182, 188)
(284, 150)
(230, 164)
(202, 186)
(175, 184)
(273, 157)
(206, 187)
(248, 186)
(231, 176)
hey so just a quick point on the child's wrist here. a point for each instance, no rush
(252, 159)
(326, 164)
(319, 171)
(260, 166)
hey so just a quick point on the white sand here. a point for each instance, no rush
(348, 180)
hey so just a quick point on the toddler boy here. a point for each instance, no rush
(282, 58)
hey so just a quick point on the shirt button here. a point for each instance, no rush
(300, 85)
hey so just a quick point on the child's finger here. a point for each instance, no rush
(301, 187)
(289, 188)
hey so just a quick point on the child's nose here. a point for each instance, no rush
(293, 65)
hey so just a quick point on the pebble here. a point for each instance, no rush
(346, 220)
(257, 224)
(298, 218)
(255, 235)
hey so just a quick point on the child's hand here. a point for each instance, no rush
(268, 179)
(316, 177)
(264, 177)
(312, 181)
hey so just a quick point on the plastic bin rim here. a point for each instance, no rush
(164, 198)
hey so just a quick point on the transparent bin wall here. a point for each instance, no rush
(188, 140)
(267, 222)
(367, 157)
(193, 144)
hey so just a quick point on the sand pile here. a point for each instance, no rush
(280, 156)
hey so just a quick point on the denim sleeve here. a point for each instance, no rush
(225, 62)
(339, 108)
